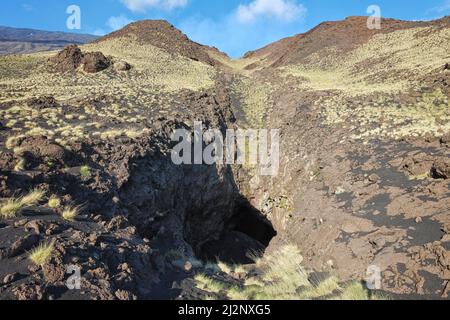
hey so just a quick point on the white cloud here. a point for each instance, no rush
(116, 23)
(228, 34)
(284, 10)
(143, 5)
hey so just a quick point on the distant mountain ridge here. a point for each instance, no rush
(21, 40)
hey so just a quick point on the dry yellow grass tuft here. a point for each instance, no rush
(42, 253)
(12, 207)
(54, 202)
(204, 282)
(225, 268)
(71, 213)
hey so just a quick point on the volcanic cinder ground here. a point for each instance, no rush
(364, 179)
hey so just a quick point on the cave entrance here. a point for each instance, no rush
(248, 232)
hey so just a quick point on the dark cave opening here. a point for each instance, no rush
(246, 234)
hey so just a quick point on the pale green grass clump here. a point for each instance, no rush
(54, 202)
(282, 277)
(20, 165)
(42, 253)
(419, 177)
(204, 282)
(357, 291)
(85, 171)
(12, 207)
(225, 268)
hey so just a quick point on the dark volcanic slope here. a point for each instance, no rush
(343, 35)
(14, 40)
(163, 35)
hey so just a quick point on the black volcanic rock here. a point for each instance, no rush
(95, 62)
(68, 59)
(71, 57)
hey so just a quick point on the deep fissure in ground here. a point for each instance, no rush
(247, 234)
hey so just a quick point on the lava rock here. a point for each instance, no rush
(43, 102)
(10, 278)
(124, 295)
(445, 140)
(20, 223)
(23, 245)
(35, 225)
(53, 272)
(68, 59)
(182, 265)
(28, 292)
(122, 66)
(38, 149)
(441, 169)
(94, 62)
(53, 229)
(374, 178)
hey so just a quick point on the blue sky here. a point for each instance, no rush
(234, 26)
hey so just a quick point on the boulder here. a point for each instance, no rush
(71, 57)
(68, 59)
(441, 169)
(445, 140)
(21, 246)
(42, 148)
(122, 66)
(10, 278)
(95, 62)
